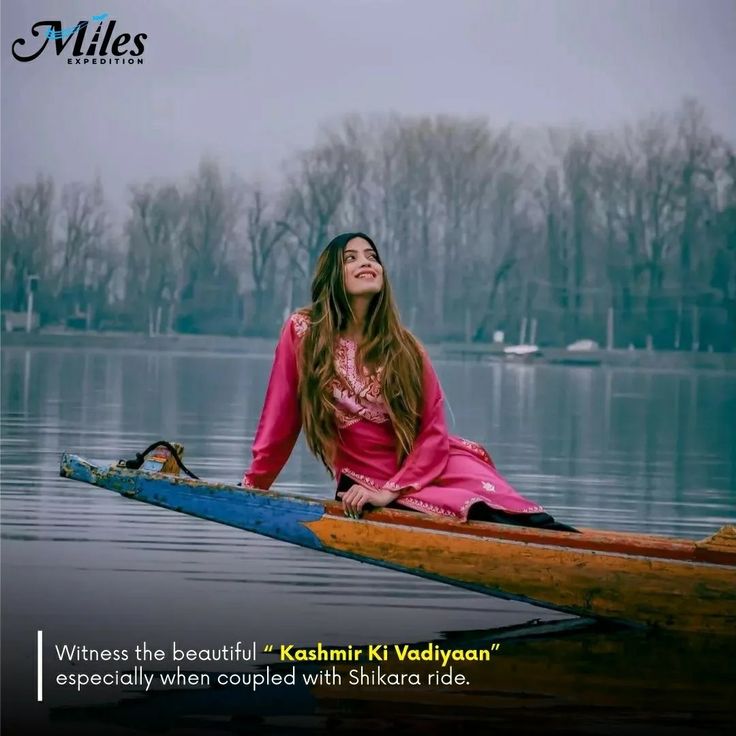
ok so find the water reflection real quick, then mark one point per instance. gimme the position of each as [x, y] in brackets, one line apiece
[608, 448]
[541, 680]
[598, 447]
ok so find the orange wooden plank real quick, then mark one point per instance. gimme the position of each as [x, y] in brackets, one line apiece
[649, 545]
[669, 593]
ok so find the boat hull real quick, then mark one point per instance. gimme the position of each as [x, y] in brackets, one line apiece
[632, 579]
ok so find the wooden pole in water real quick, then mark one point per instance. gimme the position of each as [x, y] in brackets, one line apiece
[696, 329]
[29, 314]
[31, 284]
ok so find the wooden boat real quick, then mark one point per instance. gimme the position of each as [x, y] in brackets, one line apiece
[635, 579]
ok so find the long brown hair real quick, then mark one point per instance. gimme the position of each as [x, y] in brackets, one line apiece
[386, 343]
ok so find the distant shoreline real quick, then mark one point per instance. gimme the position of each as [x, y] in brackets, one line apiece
[221, 344]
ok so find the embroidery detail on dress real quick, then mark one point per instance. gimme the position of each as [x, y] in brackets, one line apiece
[358, 397]
[477, 449]
[488, 486]
[301, 323]
[245, 483]
[363, 479]
[465, 508]
[424, 506]
[345, 420]
[476, 499]
[374, 485]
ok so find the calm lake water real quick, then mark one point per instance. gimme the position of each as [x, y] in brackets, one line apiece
[619, 449]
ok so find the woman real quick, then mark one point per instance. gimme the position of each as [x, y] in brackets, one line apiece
[365, 392]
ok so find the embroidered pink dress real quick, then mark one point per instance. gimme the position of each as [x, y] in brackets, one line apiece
[443, 474]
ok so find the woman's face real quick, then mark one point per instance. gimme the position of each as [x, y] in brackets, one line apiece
[362, 272]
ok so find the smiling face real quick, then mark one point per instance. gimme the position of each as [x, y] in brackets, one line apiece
[362, 270]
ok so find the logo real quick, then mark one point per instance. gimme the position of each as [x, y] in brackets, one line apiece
[104, 47]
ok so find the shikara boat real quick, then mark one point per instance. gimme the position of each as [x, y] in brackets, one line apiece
[634, 579]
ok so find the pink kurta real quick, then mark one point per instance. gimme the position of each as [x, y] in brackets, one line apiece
[443, 474]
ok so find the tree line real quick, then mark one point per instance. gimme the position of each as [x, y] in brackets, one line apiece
[481, 229]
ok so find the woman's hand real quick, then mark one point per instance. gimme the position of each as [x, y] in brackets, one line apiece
[354, 499]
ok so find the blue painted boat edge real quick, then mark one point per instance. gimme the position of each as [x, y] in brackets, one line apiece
[273, 515]
[281, 517]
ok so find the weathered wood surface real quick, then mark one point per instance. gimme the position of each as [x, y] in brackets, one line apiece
[634, 579]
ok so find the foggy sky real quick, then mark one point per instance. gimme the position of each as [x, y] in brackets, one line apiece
[248, 82]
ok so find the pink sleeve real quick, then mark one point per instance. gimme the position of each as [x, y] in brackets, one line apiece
[280, 422]
[428, 458]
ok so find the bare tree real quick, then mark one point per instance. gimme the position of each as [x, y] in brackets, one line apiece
[27, 238]
[479, 229]
[265, 233]
[208, 294]
[314, 193]
[154, 265]
[85, 231]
